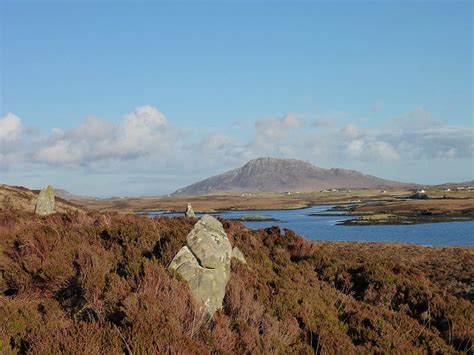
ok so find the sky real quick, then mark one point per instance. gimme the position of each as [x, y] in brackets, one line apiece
[111, 98]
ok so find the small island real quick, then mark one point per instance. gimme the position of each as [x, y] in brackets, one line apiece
[416, 218]
[256, 218]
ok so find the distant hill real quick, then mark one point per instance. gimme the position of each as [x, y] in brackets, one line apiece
[280, 175]
[457, 184]
[66, 195]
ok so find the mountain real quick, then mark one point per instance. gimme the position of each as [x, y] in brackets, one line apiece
[279, 175]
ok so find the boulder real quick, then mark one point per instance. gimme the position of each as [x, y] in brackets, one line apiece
[204, 262]
[208, 242]
[45, 203]
[189, 211]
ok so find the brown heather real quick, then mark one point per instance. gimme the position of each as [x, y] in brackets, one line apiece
[97, 283]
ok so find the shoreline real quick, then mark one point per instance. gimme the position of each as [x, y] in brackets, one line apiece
[359, 219]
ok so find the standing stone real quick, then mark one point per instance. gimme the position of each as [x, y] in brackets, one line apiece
[45, 204]
[204, 262]
[189, 211]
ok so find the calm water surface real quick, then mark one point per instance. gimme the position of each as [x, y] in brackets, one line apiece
[326, 228]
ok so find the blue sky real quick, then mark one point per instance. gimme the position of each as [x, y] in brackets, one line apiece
[179, 91]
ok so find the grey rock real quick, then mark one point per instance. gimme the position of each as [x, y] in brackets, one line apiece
[237, 254]
[209, 243]
[189, 211]
[45, 203]
[205, 263]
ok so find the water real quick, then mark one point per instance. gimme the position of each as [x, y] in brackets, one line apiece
[326, 228]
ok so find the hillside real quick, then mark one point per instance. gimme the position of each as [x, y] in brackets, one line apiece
[66, 195]
[22, 199]
[279, 175]
[456, 184]
[98, 283]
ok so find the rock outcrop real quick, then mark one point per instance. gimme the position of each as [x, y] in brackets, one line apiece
[45, 203]
[189, 211]
[204, 262]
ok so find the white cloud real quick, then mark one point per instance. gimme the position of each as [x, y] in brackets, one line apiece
[355, 148]
[276, 127]
[384, 151]
[11, 132]
[10, 128]
[141, 132]
[61, 152]
[216, 142]
[271, 130]
[350, 131]
[369, 150]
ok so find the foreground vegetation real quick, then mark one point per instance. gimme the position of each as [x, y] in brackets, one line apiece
[98, 283]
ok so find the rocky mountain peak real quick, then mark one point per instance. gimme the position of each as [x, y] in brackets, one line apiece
[269, 174]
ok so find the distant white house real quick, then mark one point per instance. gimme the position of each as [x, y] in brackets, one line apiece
[447, 190]
[421, 191]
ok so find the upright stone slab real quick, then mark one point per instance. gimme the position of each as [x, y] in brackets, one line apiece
[45, 203]
[204, 262]
[189, 211]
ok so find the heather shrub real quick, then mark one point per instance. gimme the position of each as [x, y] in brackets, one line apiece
[99, 283]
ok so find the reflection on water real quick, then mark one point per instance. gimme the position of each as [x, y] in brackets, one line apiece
[326, 228]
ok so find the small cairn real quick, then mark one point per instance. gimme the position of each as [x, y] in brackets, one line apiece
[189, 211]
[45, 203]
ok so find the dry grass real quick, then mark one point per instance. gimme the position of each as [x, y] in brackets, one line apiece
[236, 202]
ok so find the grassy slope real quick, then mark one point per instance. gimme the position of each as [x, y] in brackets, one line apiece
[23, 199]
[98, 283]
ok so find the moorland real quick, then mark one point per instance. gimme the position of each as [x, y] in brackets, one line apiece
[98, 282]
[88, 280]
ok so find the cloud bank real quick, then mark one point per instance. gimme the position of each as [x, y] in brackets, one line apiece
[141, 132]
[145, 140]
